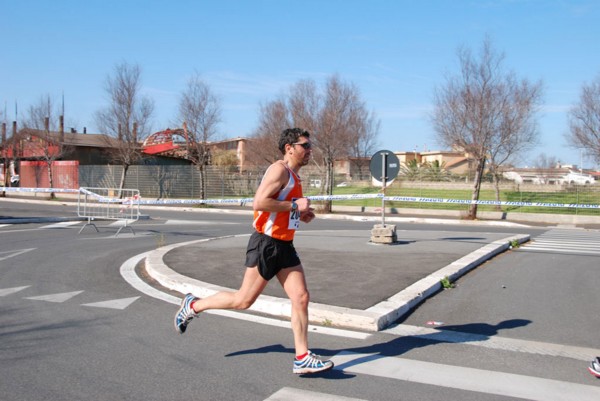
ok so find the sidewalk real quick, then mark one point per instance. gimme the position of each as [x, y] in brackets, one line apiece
[353, 283]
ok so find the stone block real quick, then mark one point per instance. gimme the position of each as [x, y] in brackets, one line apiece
[383, 234]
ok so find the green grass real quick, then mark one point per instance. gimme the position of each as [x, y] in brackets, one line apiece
[585, 196]
[446, 283]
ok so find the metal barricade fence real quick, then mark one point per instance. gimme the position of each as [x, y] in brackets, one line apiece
[109, 204]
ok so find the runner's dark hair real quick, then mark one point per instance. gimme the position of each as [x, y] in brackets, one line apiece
[290, 136]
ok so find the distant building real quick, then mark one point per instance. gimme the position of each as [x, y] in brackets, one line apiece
[353, 168]
[236, 145]
[454, 162]
[174, 143]
[33, 144]
[549, 176]
[31, 150]
[357, 168]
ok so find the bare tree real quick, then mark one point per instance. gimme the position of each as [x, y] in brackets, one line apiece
[199, 109]
[46, 146]
[40, 113]
[4, 147]
[545, 162]
[584, 120]
[486, 112]
[43, 134]
[306, 104]
[335, 115]
[127, 116]
[544, 166]
[367, 130]
[273, 119]
[518, 131]
[5, 160]
[337, 124]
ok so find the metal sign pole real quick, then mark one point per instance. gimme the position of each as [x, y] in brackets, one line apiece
[383, 180]
[388, 170]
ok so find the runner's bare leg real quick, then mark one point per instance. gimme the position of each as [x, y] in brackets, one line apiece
[252, 286]
[293, 282]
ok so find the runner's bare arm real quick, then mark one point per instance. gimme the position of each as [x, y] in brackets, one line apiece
[275, 179]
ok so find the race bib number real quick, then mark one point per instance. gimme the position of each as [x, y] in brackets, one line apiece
[294, 222]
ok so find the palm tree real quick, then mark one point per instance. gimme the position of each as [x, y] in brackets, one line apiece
[412, 170]
[436, 171]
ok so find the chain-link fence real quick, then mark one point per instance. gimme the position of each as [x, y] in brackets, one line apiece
[184, 182]
[172, 182]
[524, 198]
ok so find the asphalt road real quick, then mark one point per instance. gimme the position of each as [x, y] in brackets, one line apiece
[71, 327]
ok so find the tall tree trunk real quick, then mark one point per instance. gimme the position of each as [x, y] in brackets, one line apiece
[329, 185]
[202, 181]
[123, 175]
[497, 189]
[50, 179]
[4, 161]
[476, 188]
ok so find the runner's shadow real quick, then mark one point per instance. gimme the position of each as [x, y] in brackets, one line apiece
[485, 328]
[278, 348]
[459, 334]
[331, 374]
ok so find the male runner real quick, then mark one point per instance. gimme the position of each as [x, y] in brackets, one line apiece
[278, 208]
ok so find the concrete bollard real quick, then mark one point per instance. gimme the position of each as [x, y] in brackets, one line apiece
[383, 234]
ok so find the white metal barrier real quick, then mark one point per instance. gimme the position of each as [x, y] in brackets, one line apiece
[109, 204]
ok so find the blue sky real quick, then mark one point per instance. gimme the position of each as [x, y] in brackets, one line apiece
[396, 52]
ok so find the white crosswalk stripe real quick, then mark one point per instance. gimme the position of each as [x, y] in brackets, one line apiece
[494, 342]
[449, 376]
[398, 368]
[289, 394]
[483, 381]
[565, 241]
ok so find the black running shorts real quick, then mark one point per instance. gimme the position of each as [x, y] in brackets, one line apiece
[270, 255]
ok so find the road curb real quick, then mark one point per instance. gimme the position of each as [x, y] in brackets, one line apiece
[30, 220]
[375, 318]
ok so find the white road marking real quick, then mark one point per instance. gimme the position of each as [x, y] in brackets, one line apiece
[128, 273]
[11, 254]
[62, 224]
[494, 342]
[8, 291]
[565, 241]
[483, 381]
[113, 304]
[289, 393]
[535, 248]
[58, 298]
[203, 222]
[121, 223]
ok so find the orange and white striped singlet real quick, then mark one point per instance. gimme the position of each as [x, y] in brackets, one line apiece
[281, 225]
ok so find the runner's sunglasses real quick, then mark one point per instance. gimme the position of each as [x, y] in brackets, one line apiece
[305, 145]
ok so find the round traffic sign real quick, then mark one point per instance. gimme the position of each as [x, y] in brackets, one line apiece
[384, 163]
